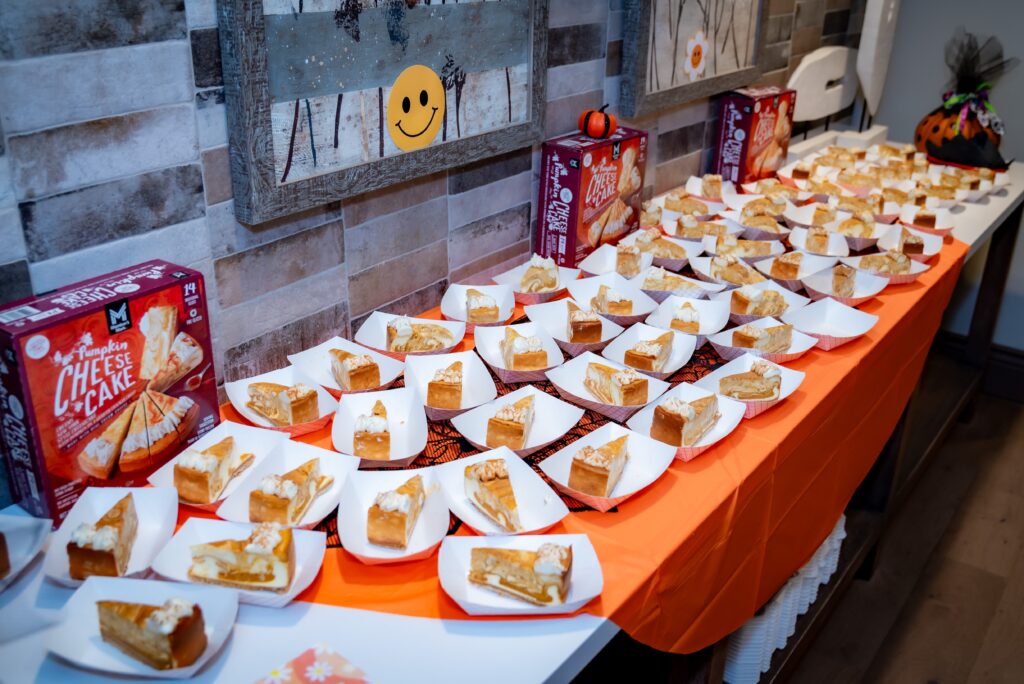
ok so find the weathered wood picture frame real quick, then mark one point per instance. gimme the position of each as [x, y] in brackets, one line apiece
[278, 55]
[639, 95]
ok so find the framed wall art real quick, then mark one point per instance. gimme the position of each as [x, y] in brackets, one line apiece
[675, 51]
[331, 98]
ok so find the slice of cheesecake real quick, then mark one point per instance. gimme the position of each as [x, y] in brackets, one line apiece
[683, 423]
[104, 548]
[540, 577]
[489, 488]
[284, 499]
[597, 471]
[394, 513]
[510, 425]
[265, 560]
[164, 637]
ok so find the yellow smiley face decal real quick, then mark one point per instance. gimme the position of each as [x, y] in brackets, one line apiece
[415, 108]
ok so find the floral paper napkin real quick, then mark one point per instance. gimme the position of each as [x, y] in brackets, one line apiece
[320, 665]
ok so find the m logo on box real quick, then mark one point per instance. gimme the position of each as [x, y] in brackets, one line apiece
[119, 317]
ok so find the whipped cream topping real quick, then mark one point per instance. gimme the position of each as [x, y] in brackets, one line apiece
[625, 377]
[552, 559]
[723, 260]
[751, 331]
[393, 502]
[513, 413]
[297, 391]
[627, 249]
[449, 375]
[791, 257]
[101, 451]
[648, 235]
[542, 262]
[688, 221]
[750, 292]
[264, 538]
[679, 407]
[275, 485]
[581, 315]
[88, 535]
[357, 361]
[371, 423]
[479, 300]
[647, 348]
[484, 471]
[765, 369]
[194, 460]
[613, 295]
[165, 619]
[686, 313]
[521, 345]
[402, 326]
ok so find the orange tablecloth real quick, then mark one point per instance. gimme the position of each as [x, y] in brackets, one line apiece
[690, 559]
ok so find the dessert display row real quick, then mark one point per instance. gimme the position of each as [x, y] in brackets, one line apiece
[628, 319]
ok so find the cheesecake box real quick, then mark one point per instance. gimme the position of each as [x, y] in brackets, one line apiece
[754, 127]
[590, 193]
[102, 382]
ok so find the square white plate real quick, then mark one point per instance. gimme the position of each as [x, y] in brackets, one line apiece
[830, 322]
[488, 346]
[406, 422]
[155, 507]
[730, 414]
[477, 384]
[238, 395]
[514, 277]
[553, 318]
[373, 333]
[175, 560]
[683, 346]
[585, 581]
[792, 299]
[453, 303]
[316, 364]
[248, 440]
[361, 491]
[836, 247]
[552, 418]
[648, 460]
[712, 316]
[291, 455]
[691, 248]
[540, 507]
[568, 380]
[932, 242]
[801, 344]
[603, 259]
[791, 379]
[916, 269]
[584, 290]
[866, 286]
[809, 263]
[77, 637]
[710, 244]
[25, 538]
[702, 267]
[944, 223]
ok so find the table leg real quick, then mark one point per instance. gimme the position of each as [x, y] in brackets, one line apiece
[990, 292]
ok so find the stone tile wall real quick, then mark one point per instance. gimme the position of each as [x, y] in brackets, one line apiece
[114, 149]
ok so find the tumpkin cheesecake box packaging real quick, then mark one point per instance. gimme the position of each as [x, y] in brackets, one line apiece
[754, 127]
[590, 193]
[103, 382]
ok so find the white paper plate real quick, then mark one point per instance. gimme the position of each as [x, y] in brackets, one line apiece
[568, 380]
[702, 267]
[944, 223]
[25, 538]
[477, 384]
[692, 288]
[373, 333]
[238, 395]
[809, 263]
[837, 245]
[553, 318]
[453, 303]
[932, 242]
[710, 244]
[792, 299]
[691, 248]
[683, 346]
[77, 638]
[712, 314]
[801, 344]
[916, 269]
[857, 244]
[694, 186]
[291, 455]
[552, 419]
[832, 323]
[316, 364]
[602, 260]
[584, 290]
[671, 228]
[488, 346]
[406, 422]
[362, 489]
[803, 216]
[735, 219]
[791, 379]
[585, 581]
[540, 507]
[648, 460]
[514, 277]
[155, 507]
[175, 560]
[248, 440]
[866, 286]
[730, 414]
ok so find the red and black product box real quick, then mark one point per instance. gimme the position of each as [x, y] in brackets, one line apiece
[754, 126]
[103, 382]
[590, 193]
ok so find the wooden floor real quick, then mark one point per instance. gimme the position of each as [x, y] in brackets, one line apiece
[946, 602]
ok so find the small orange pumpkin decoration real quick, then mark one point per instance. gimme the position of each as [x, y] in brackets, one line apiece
[939, 127]
[597, 123]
